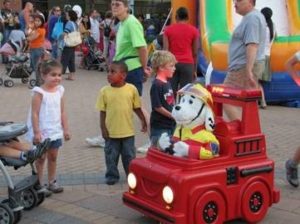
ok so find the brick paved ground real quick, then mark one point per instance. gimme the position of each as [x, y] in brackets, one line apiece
[87, 199]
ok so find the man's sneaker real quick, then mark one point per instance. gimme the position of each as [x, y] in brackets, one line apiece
[96, 141]
[55, 188]
[43, 189]
[292, 173]
[38, 151]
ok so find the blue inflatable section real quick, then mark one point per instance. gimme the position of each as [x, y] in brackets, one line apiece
[281, 90]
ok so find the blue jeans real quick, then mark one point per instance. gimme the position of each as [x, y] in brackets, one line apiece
[114, 147]
[35, 55]
[56, 144]
[6, 34]
[155, 134]
[54, 51]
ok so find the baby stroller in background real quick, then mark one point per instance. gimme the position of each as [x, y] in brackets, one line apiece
[18, 66]
[24, 194]
[91, 57]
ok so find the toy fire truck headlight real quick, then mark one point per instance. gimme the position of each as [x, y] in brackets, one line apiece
[132, 182]
[168, 195]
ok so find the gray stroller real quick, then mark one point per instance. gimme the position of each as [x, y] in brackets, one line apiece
[25, 194]
[18, 67]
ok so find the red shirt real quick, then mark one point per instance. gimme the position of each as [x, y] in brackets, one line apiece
[181, 37]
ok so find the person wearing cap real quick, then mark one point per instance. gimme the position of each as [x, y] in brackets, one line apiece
[246, 51]
[36, 39]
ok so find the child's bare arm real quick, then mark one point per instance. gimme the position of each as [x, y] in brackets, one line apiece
[35, 111]
[103, 127]
[64, 120]
[291, 62]
[32, 35]
[141, 116]
[164, 112]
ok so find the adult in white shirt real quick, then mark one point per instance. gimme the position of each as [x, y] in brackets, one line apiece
[270, 36]
[95, 26]
[107, 22]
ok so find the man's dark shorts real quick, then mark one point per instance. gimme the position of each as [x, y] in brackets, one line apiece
[136, 78]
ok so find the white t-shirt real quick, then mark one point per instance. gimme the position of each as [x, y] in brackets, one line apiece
[95, 29]
[49, 116]
[268, 42]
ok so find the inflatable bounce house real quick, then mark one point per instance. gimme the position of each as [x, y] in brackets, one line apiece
[217, 19]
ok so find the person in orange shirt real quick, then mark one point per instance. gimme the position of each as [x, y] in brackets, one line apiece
[36, 40]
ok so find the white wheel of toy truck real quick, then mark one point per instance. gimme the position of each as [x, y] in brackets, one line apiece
[25, 80]
[32, 83]
[1, 81]
[255, 202]
[29, 199]
[6, 214]
[9, 83]
[210, 208]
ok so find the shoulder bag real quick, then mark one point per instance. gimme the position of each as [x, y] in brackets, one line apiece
[73, 39]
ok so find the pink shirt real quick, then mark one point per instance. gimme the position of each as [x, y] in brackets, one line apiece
[181, 37]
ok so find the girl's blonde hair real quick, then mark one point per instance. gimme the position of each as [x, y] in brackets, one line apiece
[160, 58]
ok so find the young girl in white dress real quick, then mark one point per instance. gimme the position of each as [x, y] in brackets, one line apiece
[47, 119]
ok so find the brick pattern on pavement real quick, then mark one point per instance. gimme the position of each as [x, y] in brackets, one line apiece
[86, 198]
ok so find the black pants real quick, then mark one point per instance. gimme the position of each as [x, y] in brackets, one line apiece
[68, 59]
[182, 76]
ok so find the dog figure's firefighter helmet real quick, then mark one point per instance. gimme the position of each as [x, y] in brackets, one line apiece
[197, 90]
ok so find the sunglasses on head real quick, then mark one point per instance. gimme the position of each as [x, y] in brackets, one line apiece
[116, 4]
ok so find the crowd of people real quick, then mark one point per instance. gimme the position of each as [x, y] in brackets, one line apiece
[125, 50]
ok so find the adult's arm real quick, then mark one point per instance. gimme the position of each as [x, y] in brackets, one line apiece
[143, 55]
[251, 51]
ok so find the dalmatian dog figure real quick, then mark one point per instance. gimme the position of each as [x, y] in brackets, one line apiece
[193, 137]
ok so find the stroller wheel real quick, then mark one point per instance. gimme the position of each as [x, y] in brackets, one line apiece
[24, 80]
[6, 214]
[41, 198]
[1, 81]
[8, 83]
[32, 83]
[17, 216]
[29, 199]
